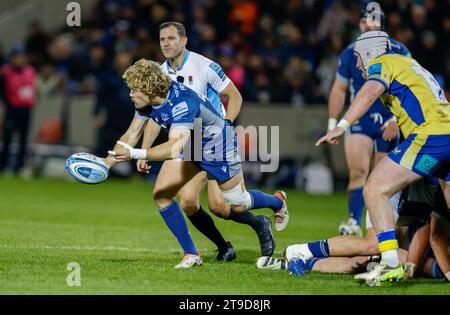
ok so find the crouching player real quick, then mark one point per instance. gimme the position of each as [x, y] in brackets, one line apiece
[179, 108]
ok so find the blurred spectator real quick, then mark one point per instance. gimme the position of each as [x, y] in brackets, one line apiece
[18, 92]
[328, 65]
[36, 45]
[48, 81]
[258, 38]
[114, 108]
[299, 90]
[333, 20]
[244, 13]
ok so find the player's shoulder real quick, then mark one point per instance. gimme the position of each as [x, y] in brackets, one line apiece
[348, 51]
[385, 58]
[203, 62]
[198, 59]
[399, 47]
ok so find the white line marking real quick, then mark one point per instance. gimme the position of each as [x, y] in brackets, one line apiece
[90, 248]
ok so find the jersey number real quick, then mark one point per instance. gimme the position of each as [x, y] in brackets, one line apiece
[431, 81]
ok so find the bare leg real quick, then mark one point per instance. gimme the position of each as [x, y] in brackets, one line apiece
[439, 242]
[348, 245]
[341, 264]
[189, 194]
[385, 180]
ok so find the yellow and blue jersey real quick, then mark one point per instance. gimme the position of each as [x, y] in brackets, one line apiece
[370, 124]
[412, 94]
[423, 114]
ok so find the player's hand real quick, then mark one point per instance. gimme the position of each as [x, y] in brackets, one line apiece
[143, 167]
[331, 136]
[122, 153]
[390, 131]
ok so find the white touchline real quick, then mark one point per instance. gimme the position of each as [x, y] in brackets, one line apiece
[90, 248]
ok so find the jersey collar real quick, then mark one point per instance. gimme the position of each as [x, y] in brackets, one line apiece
[185, 58]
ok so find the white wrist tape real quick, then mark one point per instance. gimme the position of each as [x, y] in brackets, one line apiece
[343, 124]
[332, 122]
[137, 154]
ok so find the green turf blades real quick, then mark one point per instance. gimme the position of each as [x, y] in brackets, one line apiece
[113, 230]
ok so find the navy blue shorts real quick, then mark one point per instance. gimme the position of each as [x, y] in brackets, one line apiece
[372, 129]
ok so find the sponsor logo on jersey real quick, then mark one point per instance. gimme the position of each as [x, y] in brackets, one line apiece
[165, 117]
[397, 151]
[426, 164]
[375, 69]
[217, 69]
[179, 109]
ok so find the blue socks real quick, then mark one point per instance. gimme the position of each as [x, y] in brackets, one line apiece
[174, 218]
[356, 204]
[435, 271]
[262, 200]
[319, 249]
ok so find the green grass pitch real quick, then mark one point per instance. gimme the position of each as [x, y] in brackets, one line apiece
[115, 233]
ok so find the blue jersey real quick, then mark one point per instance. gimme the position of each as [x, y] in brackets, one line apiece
[183, 107]
[348, 73]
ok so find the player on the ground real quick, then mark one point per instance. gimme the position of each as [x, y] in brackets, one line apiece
[182, 110]
[421, 203]
[369, 139]
[207, 77]
[423, 114]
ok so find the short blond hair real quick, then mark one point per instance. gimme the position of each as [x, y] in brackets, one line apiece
[148, 77]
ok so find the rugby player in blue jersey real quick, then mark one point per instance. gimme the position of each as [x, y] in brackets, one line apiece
[179, 109]
[206, 77]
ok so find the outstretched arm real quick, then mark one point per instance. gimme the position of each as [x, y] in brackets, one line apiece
[370, 91]
[131, 137]
[178, 137]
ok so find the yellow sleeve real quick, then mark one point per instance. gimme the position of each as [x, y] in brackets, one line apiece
[380, 70]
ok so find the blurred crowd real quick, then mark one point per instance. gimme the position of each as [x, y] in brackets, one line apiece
[283, 51]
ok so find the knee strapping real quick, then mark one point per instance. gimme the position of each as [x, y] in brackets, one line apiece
[237, 197]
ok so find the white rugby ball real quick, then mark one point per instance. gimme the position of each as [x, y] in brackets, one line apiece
[87, 168]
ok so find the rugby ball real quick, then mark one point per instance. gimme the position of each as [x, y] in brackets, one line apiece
[87, 168]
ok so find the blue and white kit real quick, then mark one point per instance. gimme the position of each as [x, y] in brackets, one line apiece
[201, 75]
[218, 152]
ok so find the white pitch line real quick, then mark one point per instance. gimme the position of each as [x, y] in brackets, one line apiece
[89, 248]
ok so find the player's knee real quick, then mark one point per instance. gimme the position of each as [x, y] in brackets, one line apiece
[162, 198]
[219, 208]
[371, 192]
[238, 199]
[358, 174]
[189, 204]
[367, 193]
